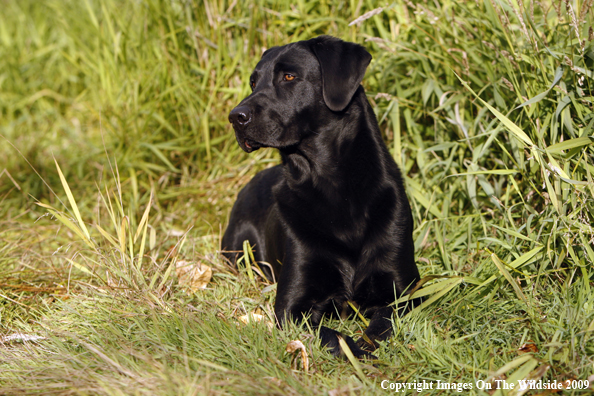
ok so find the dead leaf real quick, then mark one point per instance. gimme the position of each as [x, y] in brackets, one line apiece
[192, 276]
[528, 347]
[245, 319]
[292, 347]
[254, 317]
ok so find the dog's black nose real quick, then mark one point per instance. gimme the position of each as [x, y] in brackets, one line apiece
[240, 116]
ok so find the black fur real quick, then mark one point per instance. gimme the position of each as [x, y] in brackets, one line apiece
[335, 213]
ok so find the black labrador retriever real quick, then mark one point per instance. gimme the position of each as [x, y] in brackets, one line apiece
[332, 220]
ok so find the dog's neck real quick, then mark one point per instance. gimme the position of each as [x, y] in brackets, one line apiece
[311, 164]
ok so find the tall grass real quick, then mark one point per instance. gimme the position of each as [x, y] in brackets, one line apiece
[113, 119]
[498, 124]
[151, 81]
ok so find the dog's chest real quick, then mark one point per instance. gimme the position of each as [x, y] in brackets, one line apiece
[346, 221]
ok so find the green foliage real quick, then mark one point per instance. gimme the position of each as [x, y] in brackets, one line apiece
[149, 82]
[493, 116]
[487, 106]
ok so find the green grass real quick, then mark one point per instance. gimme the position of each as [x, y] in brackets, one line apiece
[117, 162]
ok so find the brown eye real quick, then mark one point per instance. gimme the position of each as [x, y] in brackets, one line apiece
[288, 77]
[252, 85]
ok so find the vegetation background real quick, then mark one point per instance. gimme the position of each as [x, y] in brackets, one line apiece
[117, 164]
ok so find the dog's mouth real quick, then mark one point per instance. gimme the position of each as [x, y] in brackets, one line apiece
[249, 145]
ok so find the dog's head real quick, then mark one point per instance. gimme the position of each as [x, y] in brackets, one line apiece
[295, 88]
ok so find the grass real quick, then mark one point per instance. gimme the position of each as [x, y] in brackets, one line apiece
[117, 164]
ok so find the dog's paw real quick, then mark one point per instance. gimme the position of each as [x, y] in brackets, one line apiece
[367, 344]
[358, 352]
[330, 340]
[361, 353]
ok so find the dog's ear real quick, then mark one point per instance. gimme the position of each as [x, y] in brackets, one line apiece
[343, 66]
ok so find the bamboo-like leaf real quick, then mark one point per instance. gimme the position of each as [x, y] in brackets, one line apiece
[550, 190]
[587, 243]
[359, 314]
[122, 235]
[80, 266]
[507, 231]
[428, 290]
[130, 242]
[525, 367]
[564, 102]
[92, 14]
[574, 182]
[248, 259]
[523, 371]
[420, 197]
[66, 221]
[144, 226]
[517, 362]
[541, 96]
[516, 130]
[144, 220]
[488, 172]
[161, 156]
[107, 204]
[570, 144]
[395, 121]
[72, 201]
[441, 147]
[445, 288]
[556, 167]
[109, 238]
[349, 354]
[152, 238]
[552, 193]
[508, 277]
[535, 99]
[525, 258]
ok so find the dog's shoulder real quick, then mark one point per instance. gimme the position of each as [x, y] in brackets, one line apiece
[259, 188]
[268, 177]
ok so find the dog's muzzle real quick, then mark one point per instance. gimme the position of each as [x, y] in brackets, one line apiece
[241, 117]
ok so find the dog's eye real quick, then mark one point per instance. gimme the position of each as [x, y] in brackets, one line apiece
[252, 85]
[288, 77]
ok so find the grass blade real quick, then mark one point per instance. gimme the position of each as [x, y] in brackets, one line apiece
[508, 277]
[349, 354]
[72, 201]
[516, 130]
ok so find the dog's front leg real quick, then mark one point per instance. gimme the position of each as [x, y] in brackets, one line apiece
[379, 329]
[328, 337]
[297, 299]
[380, 325]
